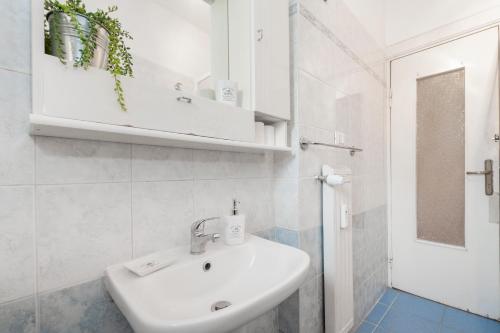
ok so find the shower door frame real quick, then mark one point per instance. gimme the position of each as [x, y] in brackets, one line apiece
[414, 50]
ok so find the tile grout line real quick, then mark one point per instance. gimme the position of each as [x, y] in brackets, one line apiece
[142, 181]
[373, 307]
[18, 71]
[386, 312]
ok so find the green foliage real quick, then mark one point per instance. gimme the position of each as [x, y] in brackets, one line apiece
[119, 57]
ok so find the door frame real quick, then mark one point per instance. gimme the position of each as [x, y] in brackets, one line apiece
[388, 70]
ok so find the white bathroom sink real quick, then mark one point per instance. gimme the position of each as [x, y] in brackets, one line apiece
[253, 277]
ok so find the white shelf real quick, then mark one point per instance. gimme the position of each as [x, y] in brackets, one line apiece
[77, 129]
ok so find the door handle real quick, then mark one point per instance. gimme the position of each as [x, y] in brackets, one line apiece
[479, 172]
[488, 176]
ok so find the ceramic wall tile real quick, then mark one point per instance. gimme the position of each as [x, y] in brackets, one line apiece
[286, 203]
[81, 230]
[369, 259]
[269, 234]
[310, 213]
[256, 202]
[214, 164]
[17, 167]
[81, 309]
[219, 165]
[266, 323]
[254, 165]
[67, 161]
[214, 198]
[317, 102]
[162, 213]
[313, 158]
[15, 41]
[311, 241]
[151, 163]
[315, 52]
[311, 306]
[17, 257]
[289, 314]
[341, 54]
[18, 316]
[287, 237]
[343, 115]
[287, 165]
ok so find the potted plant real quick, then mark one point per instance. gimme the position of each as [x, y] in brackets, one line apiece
[86, 38]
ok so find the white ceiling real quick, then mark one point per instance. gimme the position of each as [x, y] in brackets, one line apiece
[409, 18]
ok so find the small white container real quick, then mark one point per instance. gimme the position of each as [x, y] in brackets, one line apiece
[259, 133]
[281, 134]
[234, 231]
[269, 135]
[226, 92]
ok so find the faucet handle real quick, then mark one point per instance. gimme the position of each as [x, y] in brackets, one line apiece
[215, 237]
[199, 225]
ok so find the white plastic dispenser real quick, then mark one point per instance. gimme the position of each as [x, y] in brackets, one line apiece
[234, 231]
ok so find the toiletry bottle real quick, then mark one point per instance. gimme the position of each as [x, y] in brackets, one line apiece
[234, 233]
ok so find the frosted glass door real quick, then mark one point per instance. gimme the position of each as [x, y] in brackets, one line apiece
[444, 114]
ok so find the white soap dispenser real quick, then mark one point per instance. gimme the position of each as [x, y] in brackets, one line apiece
[234, 233]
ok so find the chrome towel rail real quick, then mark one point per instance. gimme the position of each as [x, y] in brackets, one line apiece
[304, 144]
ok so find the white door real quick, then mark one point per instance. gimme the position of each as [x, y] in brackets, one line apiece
[445, 232]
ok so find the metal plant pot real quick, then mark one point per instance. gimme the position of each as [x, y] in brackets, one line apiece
[69, 41]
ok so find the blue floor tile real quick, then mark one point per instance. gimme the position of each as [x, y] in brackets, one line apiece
[449, 330]
[375, 316]
[400, 312]
[389, 296]
[493, 326]
[420, 307]
[469, 323]
[398, 321]
[381, 329]
[366, 328]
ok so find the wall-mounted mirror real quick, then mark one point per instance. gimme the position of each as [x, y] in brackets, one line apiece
[182, 44]
[187, 39]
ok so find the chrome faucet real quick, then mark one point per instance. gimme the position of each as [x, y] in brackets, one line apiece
[198, 237]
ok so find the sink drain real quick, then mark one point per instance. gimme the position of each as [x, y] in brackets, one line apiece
[220, 305]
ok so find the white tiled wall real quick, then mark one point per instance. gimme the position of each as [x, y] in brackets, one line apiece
[70, 208]
[97, 203]
[63, 161]
[17, 167]
[15, 42]
[339, 85]
[80, 230]
[16, 242]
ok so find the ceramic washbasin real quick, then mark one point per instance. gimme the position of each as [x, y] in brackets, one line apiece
[253, 277]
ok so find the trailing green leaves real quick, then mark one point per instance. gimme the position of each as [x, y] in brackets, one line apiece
[120, 62]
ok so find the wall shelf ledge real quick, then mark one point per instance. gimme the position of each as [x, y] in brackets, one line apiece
[41, 125]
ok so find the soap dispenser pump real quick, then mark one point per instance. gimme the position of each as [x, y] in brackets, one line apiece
[234, 233]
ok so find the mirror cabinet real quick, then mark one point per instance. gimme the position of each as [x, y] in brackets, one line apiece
[208, 69]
